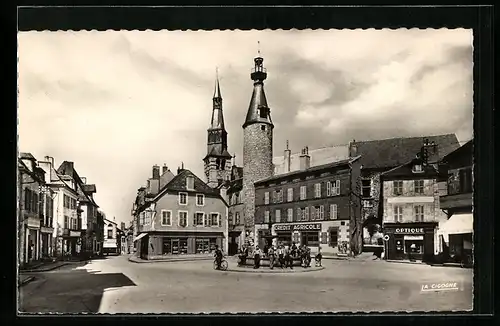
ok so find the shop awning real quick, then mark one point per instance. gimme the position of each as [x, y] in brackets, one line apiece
[458, 224]
[140, 236]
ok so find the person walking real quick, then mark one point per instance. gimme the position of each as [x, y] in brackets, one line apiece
[318, 258]
[272, 256]
[281, 255]
[288, 258]
[256, 257]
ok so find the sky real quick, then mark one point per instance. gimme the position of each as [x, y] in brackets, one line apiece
[117, 102]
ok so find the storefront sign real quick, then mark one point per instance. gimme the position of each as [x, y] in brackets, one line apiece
[409, 230]
[298, 227]
[413, 237]
[74, 233]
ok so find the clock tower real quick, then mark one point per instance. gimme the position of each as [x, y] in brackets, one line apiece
[218, 160]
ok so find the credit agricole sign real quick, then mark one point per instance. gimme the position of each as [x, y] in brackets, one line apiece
[298, 227]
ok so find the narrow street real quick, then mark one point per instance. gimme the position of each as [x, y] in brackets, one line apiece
[116, 285]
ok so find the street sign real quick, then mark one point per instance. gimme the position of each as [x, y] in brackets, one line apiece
[386, 237]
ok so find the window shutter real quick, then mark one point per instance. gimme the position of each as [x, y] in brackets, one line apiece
[324, 238]
[321, 212]
[328, 188]
[313, 213]
[219, 220]
[306, 217]
[338, 186]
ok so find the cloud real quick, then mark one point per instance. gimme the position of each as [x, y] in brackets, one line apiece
[116, 103]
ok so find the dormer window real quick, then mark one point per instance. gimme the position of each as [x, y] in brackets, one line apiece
[189, 183]
[417, 168]
[263, 112]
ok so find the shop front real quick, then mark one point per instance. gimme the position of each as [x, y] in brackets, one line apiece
[300, 233]
[456, 233]
[410, 241]
[157, 245]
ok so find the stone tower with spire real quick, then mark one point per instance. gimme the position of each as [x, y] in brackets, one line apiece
[218, 160]
[257, 142]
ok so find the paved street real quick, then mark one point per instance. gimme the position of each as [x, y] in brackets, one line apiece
[115, 285]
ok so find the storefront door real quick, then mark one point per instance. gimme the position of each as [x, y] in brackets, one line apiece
[400, 249]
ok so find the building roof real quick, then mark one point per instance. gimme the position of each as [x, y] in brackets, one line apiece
[406, 170]
[26, 156]
[387, 153]
[465, 149]
[178, 183]
[318, 156]
[311, 169]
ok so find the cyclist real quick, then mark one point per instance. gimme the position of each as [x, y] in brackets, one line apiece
[218, 256]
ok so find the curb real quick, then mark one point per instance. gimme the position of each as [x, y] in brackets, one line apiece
[274, 271]
[26, 281]
[152, 261]
[43, 269]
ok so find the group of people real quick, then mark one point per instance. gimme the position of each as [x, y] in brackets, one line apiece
[282, 255]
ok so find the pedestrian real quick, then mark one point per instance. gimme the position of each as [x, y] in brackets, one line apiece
[288, 258]
[271, 255]
[318, 257]
[218, 256]
[281, 256]
[308, 256]
[256, 257]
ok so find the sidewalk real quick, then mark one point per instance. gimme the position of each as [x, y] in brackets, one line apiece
[276, 270]
[44, 267]
[136, 259]
[24, 279]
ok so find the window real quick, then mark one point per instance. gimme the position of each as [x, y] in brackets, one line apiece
[290, 194]
[66, 222]
[263, 113]
[266, 217]
[204, 246]
[200, 200]
[336, 188]
[183, 198]
[333, 211]
[199, 217]
[303, 194]
[317, 190]
[266, 198]
[230, 219]
[334, 236]
[214, 219]
[310, 238]
[110, 234]
[306, 214]
[290, 215]
[189, 183]
[321, 213]
[263, 128]
[419, 213]
[237, 222]
[328, 189]
[74, 224]
[299, 214]
[417, 168]
[278, 215]
[419, 186]
[279, 196]
[182, 218]
[398, 213]
[366, 188]
[397, 187]
[166, 217]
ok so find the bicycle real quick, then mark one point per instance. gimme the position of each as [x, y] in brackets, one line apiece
[466, 261]
[223, 264]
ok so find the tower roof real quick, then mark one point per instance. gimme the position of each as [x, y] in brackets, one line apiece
[258, 110]
[217, 121]
[217, 93]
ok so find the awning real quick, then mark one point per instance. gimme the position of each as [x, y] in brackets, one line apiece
[458, 224]
[140, 236]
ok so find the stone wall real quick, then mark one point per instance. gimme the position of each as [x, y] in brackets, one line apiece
[257, 164]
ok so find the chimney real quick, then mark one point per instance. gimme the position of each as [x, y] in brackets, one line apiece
[180, 169]
[305, 159]
[49, 159]
[353, 148]
[84, 180]
[164, 169]
[288, 158]
[156, 172]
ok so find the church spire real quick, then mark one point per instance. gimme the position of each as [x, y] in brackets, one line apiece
[217, 86]
[258, 110]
